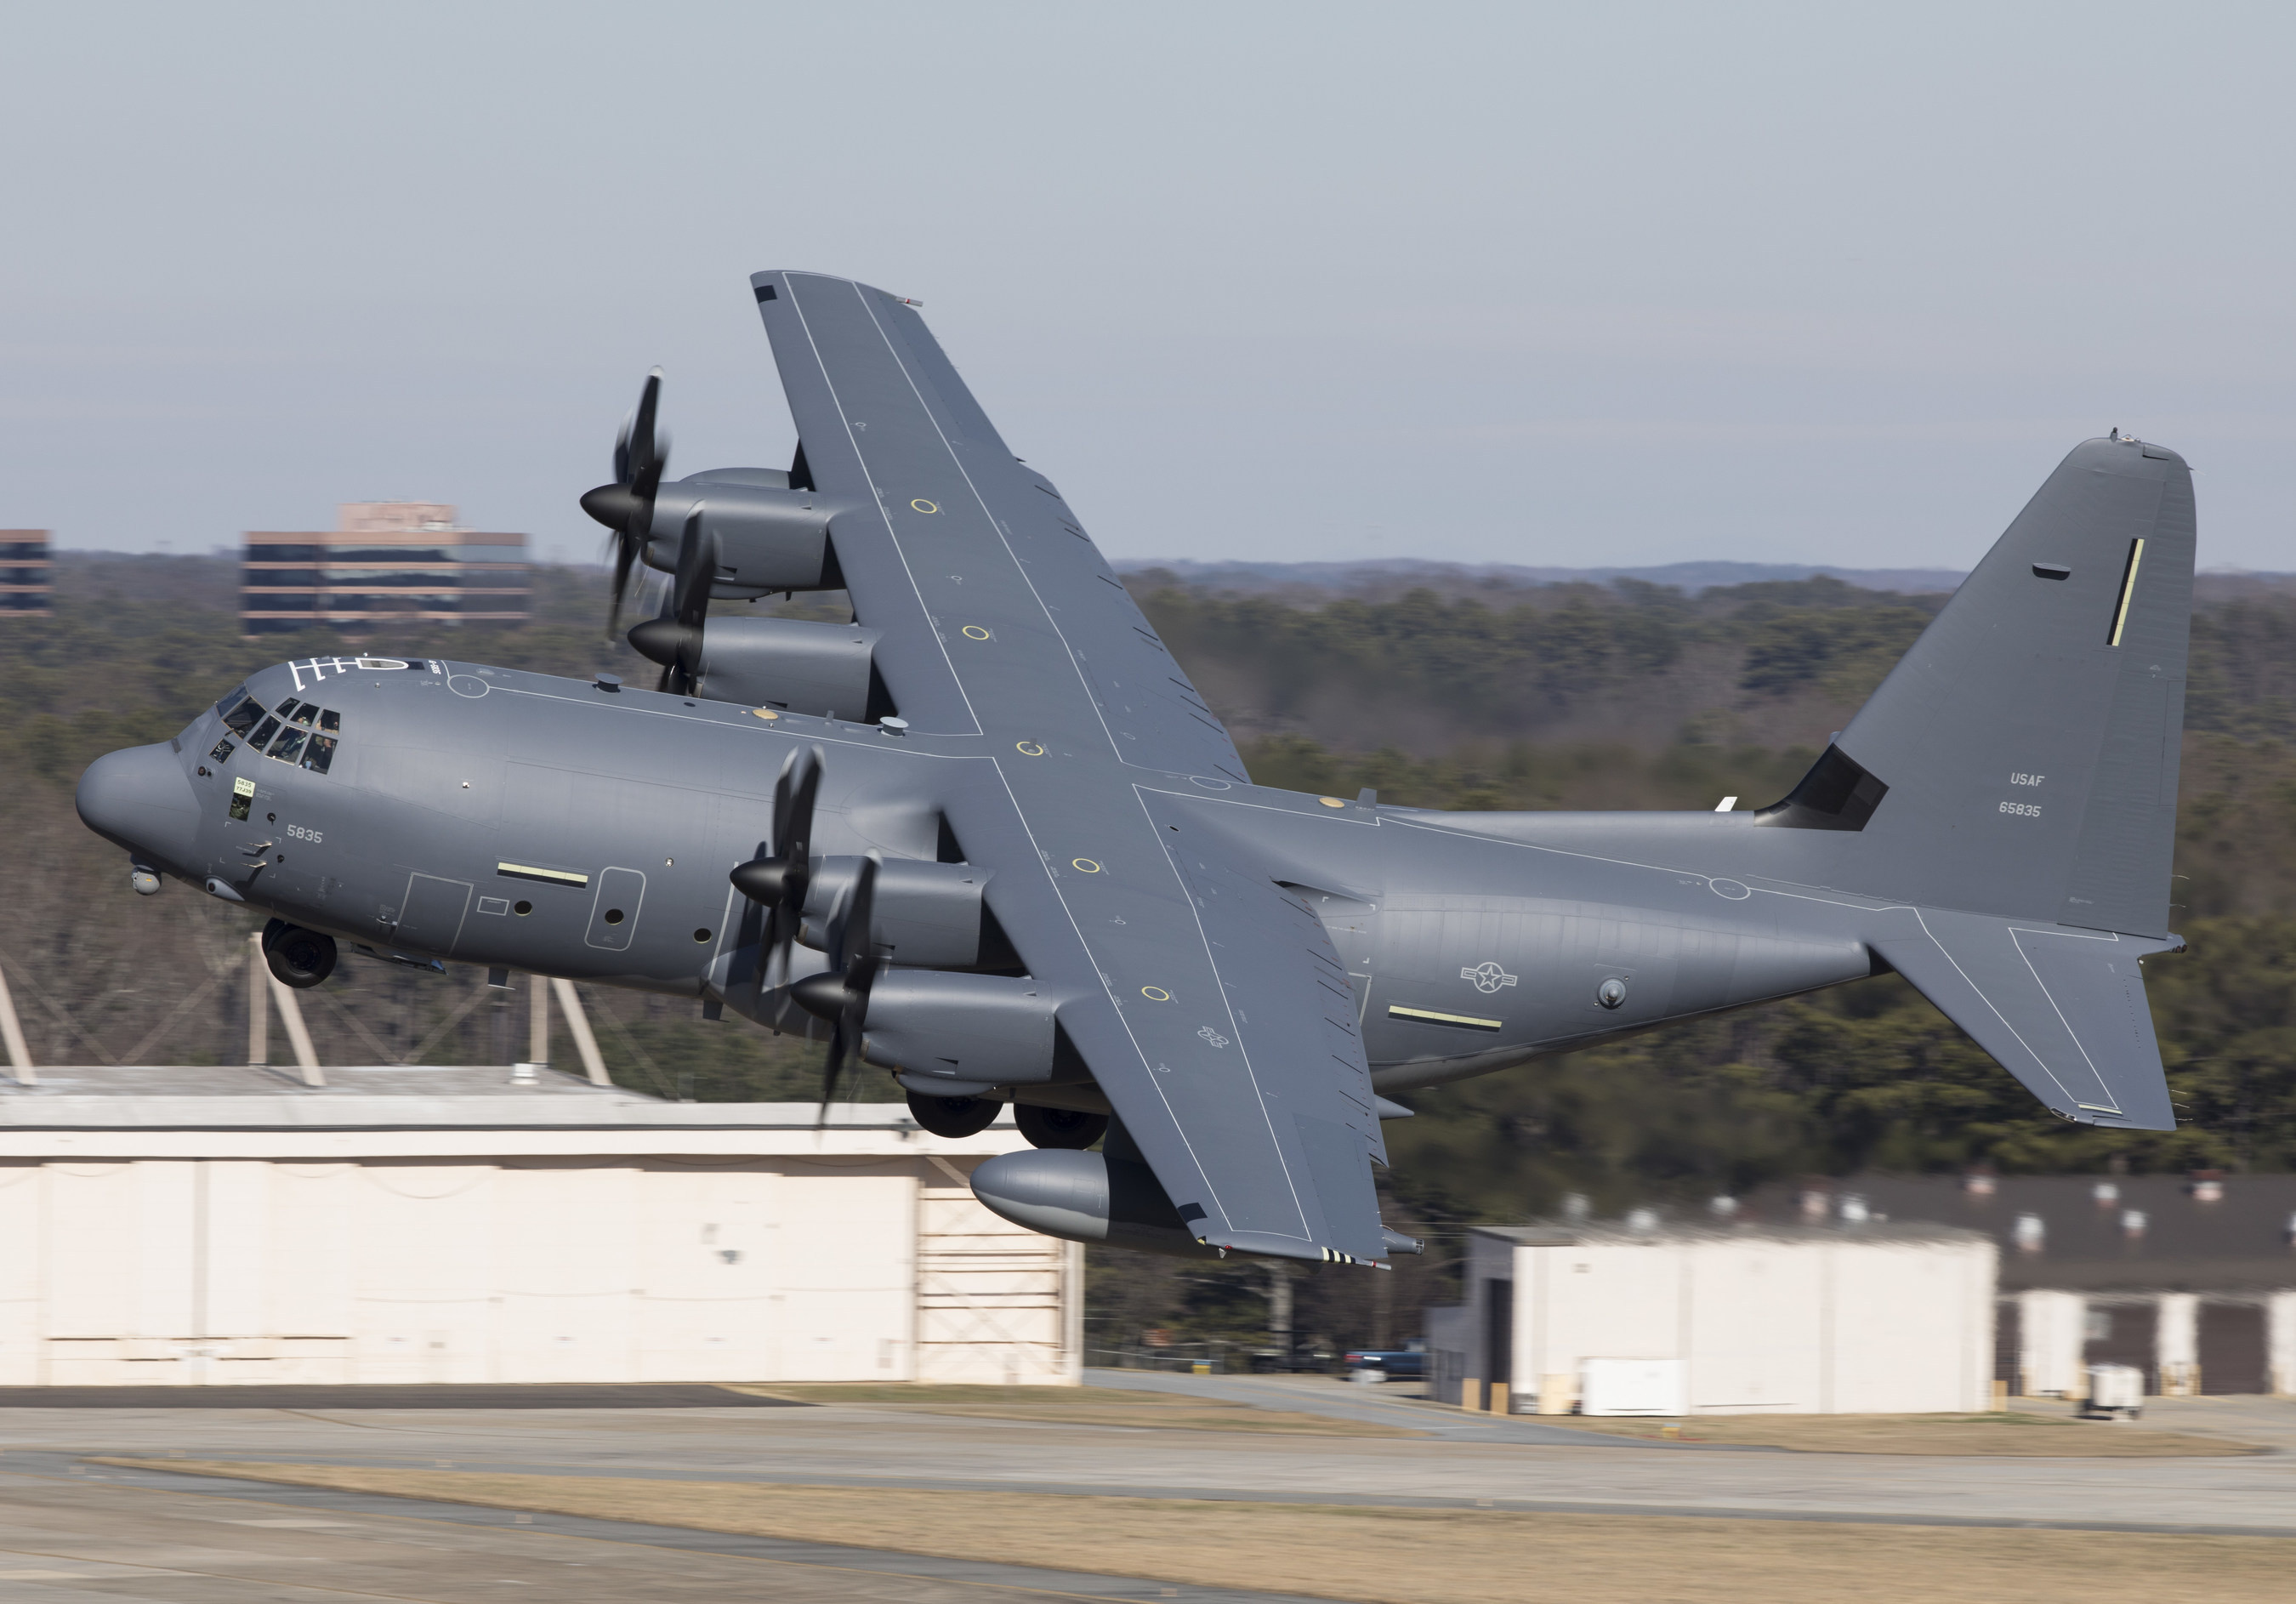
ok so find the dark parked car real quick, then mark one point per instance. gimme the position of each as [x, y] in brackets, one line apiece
[1405, 1363]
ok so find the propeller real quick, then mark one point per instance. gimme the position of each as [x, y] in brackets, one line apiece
[779, 882]
[674, 640]
[626, 506]
[841, 995]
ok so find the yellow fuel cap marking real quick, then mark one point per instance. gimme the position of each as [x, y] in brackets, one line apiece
[1028, 749]
[767, 713]
[925, 507]
[1155, 994]
[1330, 801]
[975, 632]
[1086, 864]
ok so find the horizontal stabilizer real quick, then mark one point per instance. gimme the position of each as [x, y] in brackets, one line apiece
[2062, 1009]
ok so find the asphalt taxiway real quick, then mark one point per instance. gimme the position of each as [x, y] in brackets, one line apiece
[70, 1529]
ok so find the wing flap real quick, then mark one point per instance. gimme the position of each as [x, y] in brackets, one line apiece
[1302, 1058]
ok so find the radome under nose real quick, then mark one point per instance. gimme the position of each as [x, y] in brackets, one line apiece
[140, 798]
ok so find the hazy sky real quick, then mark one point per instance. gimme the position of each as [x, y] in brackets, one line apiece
[1554, 285]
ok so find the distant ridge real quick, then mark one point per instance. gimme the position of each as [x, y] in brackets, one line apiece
[1692, 577]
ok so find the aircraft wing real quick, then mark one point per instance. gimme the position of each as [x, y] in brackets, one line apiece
[1205, 1001]
[886, 427]
[1214, 1013]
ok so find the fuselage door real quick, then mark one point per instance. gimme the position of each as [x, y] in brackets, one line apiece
[432, 916]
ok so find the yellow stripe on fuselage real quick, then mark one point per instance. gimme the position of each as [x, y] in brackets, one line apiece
[1396, 1010]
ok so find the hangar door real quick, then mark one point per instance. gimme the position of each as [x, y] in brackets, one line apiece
[847, 1273]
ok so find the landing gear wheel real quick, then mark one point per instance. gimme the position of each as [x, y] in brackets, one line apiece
[953, 1116]
[299, 958]
[1058, 1127]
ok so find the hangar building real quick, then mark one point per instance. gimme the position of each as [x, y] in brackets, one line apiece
[1743, 1320]
[236, 1225]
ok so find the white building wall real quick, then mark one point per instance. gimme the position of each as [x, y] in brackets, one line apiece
[24, 1310]
[1772, 1325]
[2051, 1329]
[1743, 1358]
[525, 1268]
[2279, 1337]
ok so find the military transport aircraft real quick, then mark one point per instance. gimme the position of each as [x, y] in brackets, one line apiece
[988, 837]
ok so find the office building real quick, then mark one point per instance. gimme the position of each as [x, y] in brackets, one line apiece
[387, 564]
[24, 570]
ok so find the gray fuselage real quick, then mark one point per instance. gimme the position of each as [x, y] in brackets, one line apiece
[499, 817]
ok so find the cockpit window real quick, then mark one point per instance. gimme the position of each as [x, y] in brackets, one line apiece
[263, 733]
[320, 753]
[330, 720]
[305, 712]
[289, 746]
[286, 709]
[240, 712]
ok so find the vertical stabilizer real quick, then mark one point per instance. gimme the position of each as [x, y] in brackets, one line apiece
[2021, 759]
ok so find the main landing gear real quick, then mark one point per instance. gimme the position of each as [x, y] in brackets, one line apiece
[299, 958]
[1058, 1127]
[953, 1116]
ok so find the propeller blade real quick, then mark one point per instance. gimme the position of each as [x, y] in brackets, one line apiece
[640, 453]
[697, 566]
[625, 554]
[780, 882]
[850, 939]
[674, 639]
[626, 506]
[794, 830]
[832, 1067]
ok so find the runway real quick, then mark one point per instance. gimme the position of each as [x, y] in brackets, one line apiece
[71, 1530]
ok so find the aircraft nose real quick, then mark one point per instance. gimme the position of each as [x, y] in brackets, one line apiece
[140, 798]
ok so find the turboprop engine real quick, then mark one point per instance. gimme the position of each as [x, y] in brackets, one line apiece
[734, 534]
[926, 915]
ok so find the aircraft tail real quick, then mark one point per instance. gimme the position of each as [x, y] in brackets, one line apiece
[2012, 785]
[2021, 759]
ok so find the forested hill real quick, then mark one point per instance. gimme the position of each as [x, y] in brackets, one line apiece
[1618, 695]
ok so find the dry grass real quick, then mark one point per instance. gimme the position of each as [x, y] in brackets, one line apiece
[2012, 1435]
[1080, 1406]
[1392, 1556]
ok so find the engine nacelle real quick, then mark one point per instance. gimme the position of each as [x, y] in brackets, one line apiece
[1086, 1198]
[795, 665]
[769, 537]
[956, 1035]
[923, 915]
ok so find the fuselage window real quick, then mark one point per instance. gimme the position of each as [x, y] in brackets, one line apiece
[290, 745]
[330, 720]
[240, 712]
[263, 733]
[319, 753]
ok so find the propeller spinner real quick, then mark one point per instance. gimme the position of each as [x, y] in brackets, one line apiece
[626, 506]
